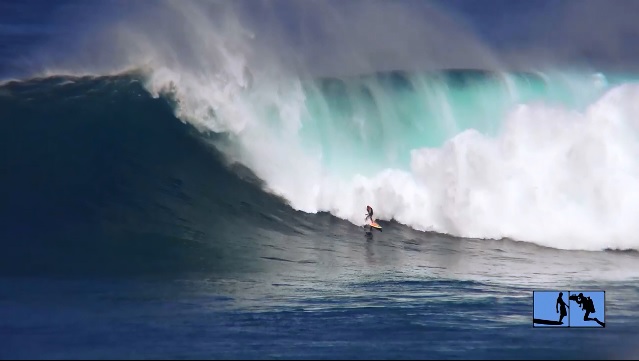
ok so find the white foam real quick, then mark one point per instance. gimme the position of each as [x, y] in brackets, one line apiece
[552, 176]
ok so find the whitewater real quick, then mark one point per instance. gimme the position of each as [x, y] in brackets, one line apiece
[486, 162]
[547, 157]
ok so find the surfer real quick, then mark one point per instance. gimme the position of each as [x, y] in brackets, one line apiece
[372, 224]
[369, 214]
[560, 302]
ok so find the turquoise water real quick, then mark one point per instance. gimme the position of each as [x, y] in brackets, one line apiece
[367, 124]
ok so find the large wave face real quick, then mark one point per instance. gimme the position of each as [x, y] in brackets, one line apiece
[100, 177]
[544, 157]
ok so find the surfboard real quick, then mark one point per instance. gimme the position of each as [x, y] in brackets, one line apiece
[376, 226]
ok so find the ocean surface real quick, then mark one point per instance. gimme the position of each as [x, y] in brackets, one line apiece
[176, 210]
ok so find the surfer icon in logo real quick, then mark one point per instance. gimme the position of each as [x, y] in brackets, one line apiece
[562, 303]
